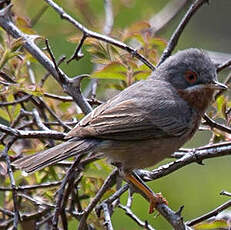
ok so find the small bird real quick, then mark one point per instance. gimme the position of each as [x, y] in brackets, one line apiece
[144, 123]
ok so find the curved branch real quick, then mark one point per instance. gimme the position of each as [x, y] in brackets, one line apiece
[29, 44]
[180, 28]
[101, 37]
[188, 157]
[31, 133]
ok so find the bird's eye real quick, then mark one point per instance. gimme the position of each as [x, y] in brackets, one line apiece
[190, 76]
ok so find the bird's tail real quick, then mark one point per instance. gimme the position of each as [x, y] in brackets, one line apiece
[53, 155]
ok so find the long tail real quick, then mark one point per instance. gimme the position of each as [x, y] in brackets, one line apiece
[53, 155]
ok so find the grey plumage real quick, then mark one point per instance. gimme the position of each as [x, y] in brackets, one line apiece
[144, 123]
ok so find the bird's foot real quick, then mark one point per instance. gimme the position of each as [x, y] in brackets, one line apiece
[155, 200]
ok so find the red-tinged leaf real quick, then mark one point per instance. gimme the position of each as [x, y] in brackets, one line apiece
[24, 25]
[75, 38]
[139, 27]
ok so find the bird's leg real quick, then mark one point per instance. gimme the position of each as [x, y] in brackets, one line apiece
[154, 198]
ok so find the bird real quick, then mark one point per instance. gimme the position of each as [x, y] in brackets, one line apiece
[143, 124]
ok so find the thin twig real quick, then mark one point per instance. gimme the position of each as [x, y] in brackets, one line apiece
[98, 36]
[59, 201]
[210, 122]
[180, 28]
[12, 182]
[106, 185]
[129, 212]
[223, 65]
[78, 53]
[22, 99]
[24, 188]
[188, 156]
[32, 134]
[210, 214]
[225, 193]
[107, 217]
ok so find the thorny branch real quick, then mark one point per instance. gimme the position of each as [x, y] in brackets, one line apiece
[68, 84]
[100, 37]
[72, 87]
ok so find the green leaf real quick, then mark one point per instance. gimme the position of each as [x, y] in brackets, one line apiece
[4, 114]
[114, 70]
[16, 44]
[142, 72]
[217, 224]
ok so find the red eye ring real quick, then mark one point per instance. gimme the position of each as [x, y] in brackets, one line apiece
[190, 76]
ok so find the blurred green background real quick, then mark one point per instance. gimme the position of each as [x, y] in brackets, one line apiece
[196, 187]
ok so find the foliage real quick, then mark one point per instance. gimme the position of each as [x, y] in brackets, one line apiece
[25, 87]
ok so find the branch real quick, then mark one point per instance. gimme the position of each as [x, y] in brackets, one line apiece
[210, 122]
[188, 157]
[109, 19]
[6, 157]
[107, 217]
[180, 28]
[101, 37]
[224, 65]
[22, 99]
[59, 201]
[29, 44]
[107, 184]
[129, 212]
[210, 214]
[32, 187]
[32, 134]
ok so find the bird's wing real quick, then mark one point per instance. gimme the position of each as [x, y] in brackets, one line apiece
[136, 114]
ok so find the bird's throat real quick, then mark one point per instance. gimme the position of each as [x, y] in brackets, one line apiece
[197, 98]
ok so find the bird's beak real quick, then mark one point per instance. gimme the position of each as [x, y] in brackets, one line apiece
[217, 85]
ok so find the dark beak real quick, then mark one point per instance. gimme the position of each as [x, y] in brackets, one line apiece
[217, 85]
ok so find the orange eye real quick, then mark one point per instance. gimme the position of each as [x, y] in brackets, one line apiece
[190, 76]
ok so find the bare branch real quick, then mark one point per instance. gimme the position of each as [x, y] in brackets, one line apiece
[225, 193]
[188, 156]
[210, 214]
[106, 185]
[107, 217]
[78, 52]
[89, 33]
[32, 187]
[214, 124]
[31, 133]
[6, 157]
[180, 28]
[59, 201]
[129, 212]
[224, 65]
[22, 99]
[109, 19]
[32, 48]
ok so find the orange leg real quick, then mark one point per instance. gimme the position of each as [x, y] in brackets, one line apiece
[154, 199]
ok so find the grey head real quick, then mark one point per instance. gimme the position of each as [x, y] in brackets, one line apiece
[189, 69]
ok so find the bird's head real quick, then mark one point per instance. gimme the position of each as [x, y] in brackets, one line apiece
[193, 75]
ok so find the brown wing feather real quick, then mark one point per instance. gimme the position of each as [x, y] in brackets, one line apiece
[126, 118]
